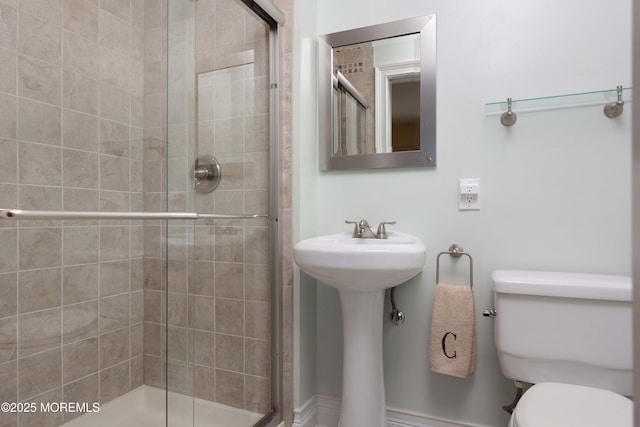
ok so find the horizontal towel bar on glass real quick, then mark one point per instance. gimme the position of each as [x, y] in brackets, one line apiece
[89, 215]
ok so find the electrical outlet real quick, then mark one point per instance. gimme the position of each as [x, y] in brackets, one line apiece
[469, 194]
[468, 199]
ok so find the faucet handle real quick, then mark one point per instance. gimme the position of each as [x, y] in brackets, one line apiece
[382, 230]
[356, 229]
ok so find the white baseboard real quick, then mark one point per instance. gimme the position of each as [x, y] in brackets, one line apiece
[328, 411]
[324, 411]
[307, 415]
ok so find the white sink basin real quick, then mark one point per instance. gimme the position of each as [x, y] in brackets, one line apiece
[353, 264]
[362, 269]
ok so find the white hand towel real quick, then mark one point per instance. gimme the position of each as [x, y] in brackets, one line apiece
[453, 331]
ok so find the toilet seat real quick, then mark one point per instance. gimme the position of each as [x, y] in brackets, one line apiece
[567, 405]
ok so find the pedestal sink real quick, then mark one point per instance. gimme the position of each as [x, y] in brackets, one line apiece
[361, 269]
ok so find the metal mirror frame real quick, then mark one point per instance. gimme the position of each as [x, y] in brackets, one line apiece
[426, 155]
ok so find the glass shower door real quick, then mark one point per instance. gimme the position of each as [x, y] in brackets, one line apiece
[178, 236]
[219, 273]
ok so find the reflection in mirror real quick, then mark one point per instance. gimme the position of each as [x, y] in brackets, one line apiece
[397, 91]
[376, 93]
[405, 115]
[350, 118]
[377, 96]
[353, 94]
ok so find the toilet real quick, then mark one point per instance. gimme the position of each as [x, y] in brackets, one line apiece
[569, 335]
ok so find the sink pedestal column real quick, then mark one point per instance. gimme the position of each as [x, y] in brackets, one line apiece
[363, 400]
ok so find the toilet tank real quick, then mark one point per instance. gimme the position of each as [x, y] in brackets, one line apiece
[564, 327]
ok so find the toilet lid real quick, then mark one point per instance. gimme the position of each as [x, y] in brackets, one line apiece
[566, 405]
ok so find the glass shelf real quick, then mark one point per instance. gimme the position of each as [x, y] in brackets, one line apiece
[572, 100]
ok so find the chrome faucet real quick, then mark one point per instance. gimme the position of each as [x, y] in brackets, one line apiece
[362, 229]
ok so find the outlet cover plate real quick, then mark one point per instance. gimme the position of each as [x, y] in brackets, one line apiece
[469, 194]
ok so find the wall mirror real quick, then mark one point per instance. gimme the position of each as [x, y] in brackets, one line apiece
[377, 95]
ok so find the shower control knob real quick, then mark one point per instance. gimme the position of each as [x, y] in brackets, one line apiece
[206, 174]
[202, 173]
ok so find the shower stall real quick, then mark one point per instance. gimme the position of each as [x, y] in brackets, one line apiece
[139, 201]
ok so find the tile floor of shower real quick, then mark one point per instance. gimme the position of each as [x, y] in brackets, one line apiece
[145, 406]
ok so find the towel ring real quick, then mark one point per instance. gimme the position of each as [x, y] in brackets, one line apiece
[455, 251]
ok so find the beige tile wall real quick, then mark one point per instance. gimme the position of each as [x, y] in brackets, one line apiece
[71, 131]
[285, 212]
[81, 128]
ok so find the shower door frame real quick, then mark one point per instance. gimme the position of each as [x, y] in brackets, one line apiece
[263, 10]
[274, 210]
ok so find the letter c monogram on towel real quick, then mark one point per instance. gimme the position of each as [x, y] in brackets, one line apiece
[444, 345]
